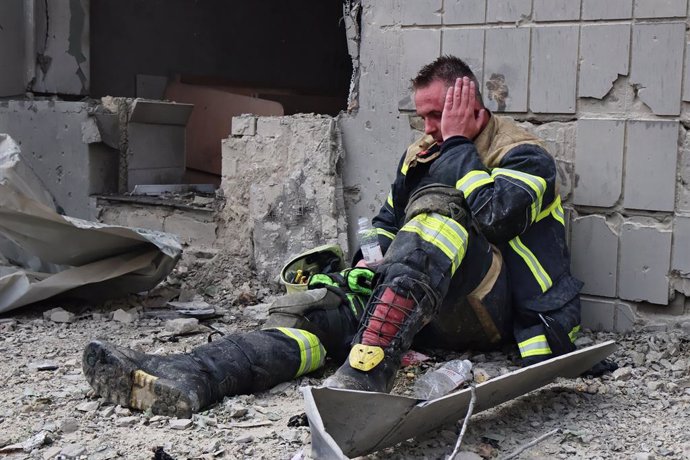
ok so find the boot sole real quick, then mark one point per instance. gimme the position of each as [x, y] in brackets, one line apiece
[117, 378]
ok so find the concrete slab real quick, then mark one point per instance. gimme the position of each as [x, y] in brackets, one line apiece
[597, 314]
[289, 197]
[505, 74]
[468, 45]
[556, 10]
[681, 245]
[464, 12]
[661, 8]
[51, 138]
[645, 259]
[155, 146]
[507, 10]
[599, 162]
[594, 254]
[604, 55]
[553, 75]
[658, 46]
[609, 9]
[422, 12]
[650, 165]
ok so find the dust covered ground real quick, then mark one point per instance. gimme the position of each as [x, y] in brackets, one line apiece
[641, 411]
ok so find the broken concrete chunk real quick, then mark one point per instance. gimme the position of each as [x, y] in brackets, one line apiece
[182, 326]
[180, 424]
[624, 373]
[69, 425]
[126, 317]
[72, 451]
[127, 421]
[88, 406]
[44, 365]
[59, 315]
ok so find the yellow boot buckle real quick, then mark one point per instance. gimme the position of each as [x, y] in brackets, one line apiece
[365, 357]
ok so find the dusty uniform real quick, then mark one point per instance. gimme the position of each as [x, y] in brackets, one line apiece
[509, 182]
[442, 282]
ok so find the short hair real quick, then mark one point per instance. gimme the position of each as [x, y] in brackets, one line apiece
[446, 68]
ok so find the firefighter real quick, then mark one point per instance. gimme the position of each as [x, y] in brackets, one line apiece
[475, 256]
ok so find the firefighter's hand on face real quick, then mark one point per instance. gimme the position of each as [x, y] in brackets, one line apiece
[462, 114]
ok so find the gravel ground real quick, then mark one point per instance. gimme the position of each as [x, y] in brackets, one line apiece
[641, 411]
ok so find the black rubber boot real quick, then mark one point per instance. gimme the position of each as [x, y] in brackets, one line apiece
[181, 384]
[174, 385]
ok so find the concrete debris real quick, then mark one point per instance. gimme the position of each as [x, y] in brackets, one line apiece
[44, 366]
[126, 317]
[71, 451]
[69, 425]
[127, 421]
[650, 405]
[182, 326]
[90, 406]
[624, 373]
[180, 424]
[59, 315]
[28, 445]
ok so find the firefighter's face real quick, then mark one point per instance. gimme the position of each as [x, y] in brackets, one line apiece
[429, 101]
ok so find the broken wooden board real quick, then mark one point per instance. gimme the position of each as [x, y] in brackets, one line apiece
[348, 423]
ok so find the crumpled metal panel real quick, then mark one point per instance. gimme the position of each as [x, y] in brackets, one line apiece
[346, 423]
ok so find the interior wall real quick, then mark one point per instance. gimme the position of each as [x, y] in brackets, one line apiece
[298, 46]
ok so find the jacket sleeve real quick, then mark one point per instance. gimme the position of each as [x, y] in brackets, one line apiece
[505, 200]
[385, 222]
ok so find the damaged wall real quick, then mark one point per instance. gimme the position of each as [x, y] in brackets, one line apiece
[61, 143]
[607, 84]
[62, 47]
[282, 190]
[44, 47]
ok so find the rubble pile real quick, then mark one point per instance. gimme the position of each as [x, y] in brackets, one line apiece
[47, 409]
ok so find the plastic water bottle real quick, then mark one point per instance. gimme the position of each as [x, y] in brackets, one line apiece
[369, 242]
[441, 381]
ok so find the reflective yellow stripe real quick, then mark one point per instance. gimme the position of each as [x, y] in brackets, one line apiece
[404, 168]
[532, 262]
[389, 200]
[558, 213]
[536, 183]
[312, 353]
[539, 346]
[444, 233]
[473, 180]
[386, 233]
[555, 210]
[554, 204]
[536, 346]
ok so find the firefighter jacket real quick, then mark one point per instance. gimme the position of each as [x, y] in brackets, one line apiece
[509, 182]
